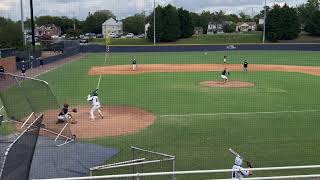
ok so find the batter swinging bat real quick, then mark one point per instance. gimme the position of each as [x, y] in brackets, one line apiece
[236, 154]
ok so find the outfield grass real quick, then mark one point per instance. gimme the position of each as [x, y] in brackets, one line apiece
[201, 142]
[254, 37]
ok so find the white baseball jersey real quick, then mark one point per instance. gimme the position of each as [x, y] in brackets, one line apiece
[238, 174]
[95, 101]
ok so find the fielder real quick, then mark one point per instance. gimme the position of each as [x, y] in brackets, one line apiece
[224, 75]
[245, 66]
[95, 104]
[224, 59]
[239, 173]
[134, 64]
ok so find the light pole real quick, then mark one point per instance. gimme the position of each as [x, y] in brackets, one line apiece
[22, 24]
[154, 22]
[264, 23]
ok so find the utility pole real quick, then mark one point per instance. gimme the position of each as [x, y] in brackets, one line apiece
[32, 26]
[154, 22]
[22, 24]
[74, 21]
[264, 23]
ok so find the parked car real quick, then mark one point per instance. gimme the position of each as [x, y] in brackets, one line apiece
[141, 36]
[114, 35]
[84, 41]
[130, 35]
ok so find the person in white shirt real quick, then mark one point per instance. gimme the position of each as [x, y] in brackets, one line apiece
[95, 104]
[238, 172]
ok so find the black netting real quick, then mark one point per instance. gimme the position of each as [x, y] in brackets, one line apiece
[23, 96]
[19, 155]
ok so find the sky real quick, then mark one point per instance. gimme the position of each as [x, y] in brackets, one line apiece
[124, 8]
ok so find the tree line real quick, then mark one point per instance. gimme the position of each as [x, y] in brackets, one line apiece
[173, 23]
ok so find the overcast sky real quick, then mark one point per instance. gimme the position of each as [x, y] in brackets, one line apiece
[124, 8]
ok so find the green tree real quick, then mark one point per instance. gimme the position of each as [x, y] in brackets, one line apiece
[93, 22]
[205, 18]
[313, 26]
[134, 24]
[10, 35]
[167, 24]
[282, 23]
[244, 17]
[229, 28]
[158, 24]
[171, 24]
[306, 13]
[186, 24]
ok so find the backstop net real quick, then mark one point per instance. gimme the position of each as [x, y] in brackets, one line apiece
[142, 161]
[19, 154]
[25, 98]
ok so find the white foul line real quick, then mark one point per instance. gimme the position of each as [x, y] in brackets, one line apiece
[239, 113]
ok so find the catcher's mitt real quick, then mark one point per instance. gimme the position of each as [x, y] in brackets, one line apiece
[249, 164]
[74, 110]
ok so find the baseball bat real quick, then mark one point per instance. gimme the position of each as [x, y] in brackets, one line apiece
[233, 152]
[236, 154]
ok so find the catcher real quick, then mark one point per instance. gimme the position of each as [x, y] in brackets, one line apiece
[65, 116]
[239, 173]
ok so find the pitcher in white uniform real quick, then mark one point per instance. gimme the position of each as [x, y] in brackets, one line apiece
[95, 104]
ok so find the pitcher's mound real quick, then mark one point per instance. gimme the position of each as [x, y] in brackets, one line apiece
[228, 84]
[118, 120]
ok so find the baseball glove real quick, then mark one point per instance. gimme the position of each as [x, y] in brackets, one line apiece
[249, 164]
[74, 110]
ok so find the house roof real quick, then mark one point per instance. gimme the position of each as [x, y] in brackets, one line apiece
[198, 28]
[112, 22]
[246, 23]
[223, 22]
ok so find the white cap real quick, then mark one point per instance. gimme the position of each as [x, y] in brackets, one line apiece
[238, 161]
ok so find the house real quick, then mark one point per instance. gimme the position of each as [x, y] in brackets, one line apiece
[246, 26]
[198, 30]
[217, 27]
[261, 21]
[49, 30]
[112, 26]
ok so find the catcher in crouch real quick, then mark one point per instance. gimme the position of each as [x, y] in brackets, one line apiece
[65, 116]
[237, 172]
[95, 104]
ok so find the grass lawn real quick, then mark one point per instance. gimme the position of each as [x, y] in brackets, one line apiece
[254, 37]
[201, 142]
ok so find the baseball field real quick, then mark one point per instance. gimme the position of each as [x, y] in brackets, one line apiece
[273, 123]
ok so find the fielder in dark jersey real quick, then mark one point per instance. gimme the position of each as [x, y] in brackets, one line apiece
[245, 66]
